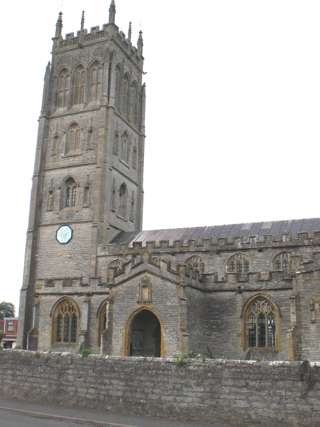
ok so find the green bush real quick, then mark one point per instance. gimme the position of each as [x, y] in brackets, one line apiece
[85, 352]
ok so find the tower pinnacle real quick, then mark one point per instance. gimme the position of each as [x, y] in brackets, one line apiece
[112, 12]
[140, 43]
[82, 21]
[59, 25]
[130, 31]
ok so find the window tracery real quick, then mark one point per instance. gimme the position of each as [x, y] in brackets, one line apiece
[78, 86]
[95, 78]
[133, 111]
[282, 262]
[63, 89]
[261, 324]
[196, 263]
[65, 323]
[238, 263]
[125, 95]
[70, 193]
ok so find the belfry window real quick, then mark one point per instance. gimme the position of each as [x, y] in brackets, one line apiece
[70, 193]
[125, 96]
[65, 323]
[63, 89]
[133, 114]
[118, 87]
[95, 82]
[78, 86]
[238, 263]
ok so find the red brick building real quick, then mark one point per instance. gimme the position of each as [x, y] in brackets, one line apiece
[9, 329]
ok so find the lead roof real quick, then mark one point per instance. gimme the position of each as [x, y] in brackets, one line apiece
[255, 229]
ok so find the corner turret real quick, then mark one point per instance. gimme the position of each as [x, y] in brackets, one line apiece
[59, 26]
[112, 13]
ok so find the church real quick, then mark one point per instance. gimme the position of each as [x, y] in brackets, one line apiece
[94, 280]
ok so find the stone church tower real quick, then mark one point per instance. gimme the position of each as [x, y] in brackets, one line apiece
[88, 174]
[93, 279]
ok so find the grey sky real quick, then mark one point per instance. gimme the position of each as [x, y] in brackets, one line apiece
[233, 110]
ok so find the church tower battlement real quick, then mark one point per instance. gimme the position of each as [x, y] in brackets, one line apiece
[88, 175]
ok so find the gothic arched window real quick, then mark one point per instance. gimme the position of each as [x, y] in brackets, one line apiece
[102, 320]
[133, 114]
[125, 95]
[73, 139]
[115, 147]
[78, 89]
[118, 87]
[196, 263]
[70, 193]
[238, 263]
[261, 324]
[123, 200]
[125, 148]
[65, 322]
[63, 89]
[95, 79]
[282, 262]
[134, 157]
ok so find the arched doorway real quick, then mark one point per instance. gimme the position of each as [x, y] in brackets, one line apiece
[145, 335]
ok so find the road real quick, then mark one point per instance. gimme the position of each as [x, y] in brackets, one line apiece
[22, 414]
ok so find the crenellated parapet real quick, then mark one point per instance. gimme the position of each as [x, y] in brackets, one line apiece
[214, 244]
[108, 32]
[180, 274]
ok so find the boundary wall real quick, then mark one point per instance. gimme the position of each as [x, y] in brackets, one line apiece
[241, 393]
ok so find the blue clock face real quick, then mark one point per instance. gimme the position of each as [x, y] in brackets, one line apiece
[64, 234]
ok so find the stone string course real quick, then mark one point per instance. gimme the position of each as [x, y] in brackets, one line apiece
[240, 393]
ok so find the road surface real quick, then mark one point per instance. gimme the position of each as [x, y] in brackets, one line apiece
[22, 414]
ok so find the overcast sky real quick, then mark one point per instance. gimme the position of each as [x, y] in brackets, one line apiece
[233, 108]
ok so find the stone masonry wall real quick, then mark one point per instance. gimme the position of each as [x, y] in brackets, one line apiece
[240, 393]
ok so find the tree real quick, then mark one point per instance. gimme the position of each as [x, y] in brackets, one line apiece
[6, 310]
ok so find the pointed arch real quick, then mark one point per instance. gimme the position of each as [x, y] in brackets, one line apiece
[282, 262]
[134, 102]
[123, 200]
[196, 263]
[73, 139]
[125, 85]
[118, 87]
[134, 156]
[128, 329]
[115, 146]
[69, 193]
[125, 148]
[63, 91]
[65, 316]
[238, 263]
[260, 324]
[78, 88]
[95, 81]
[102, 319]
